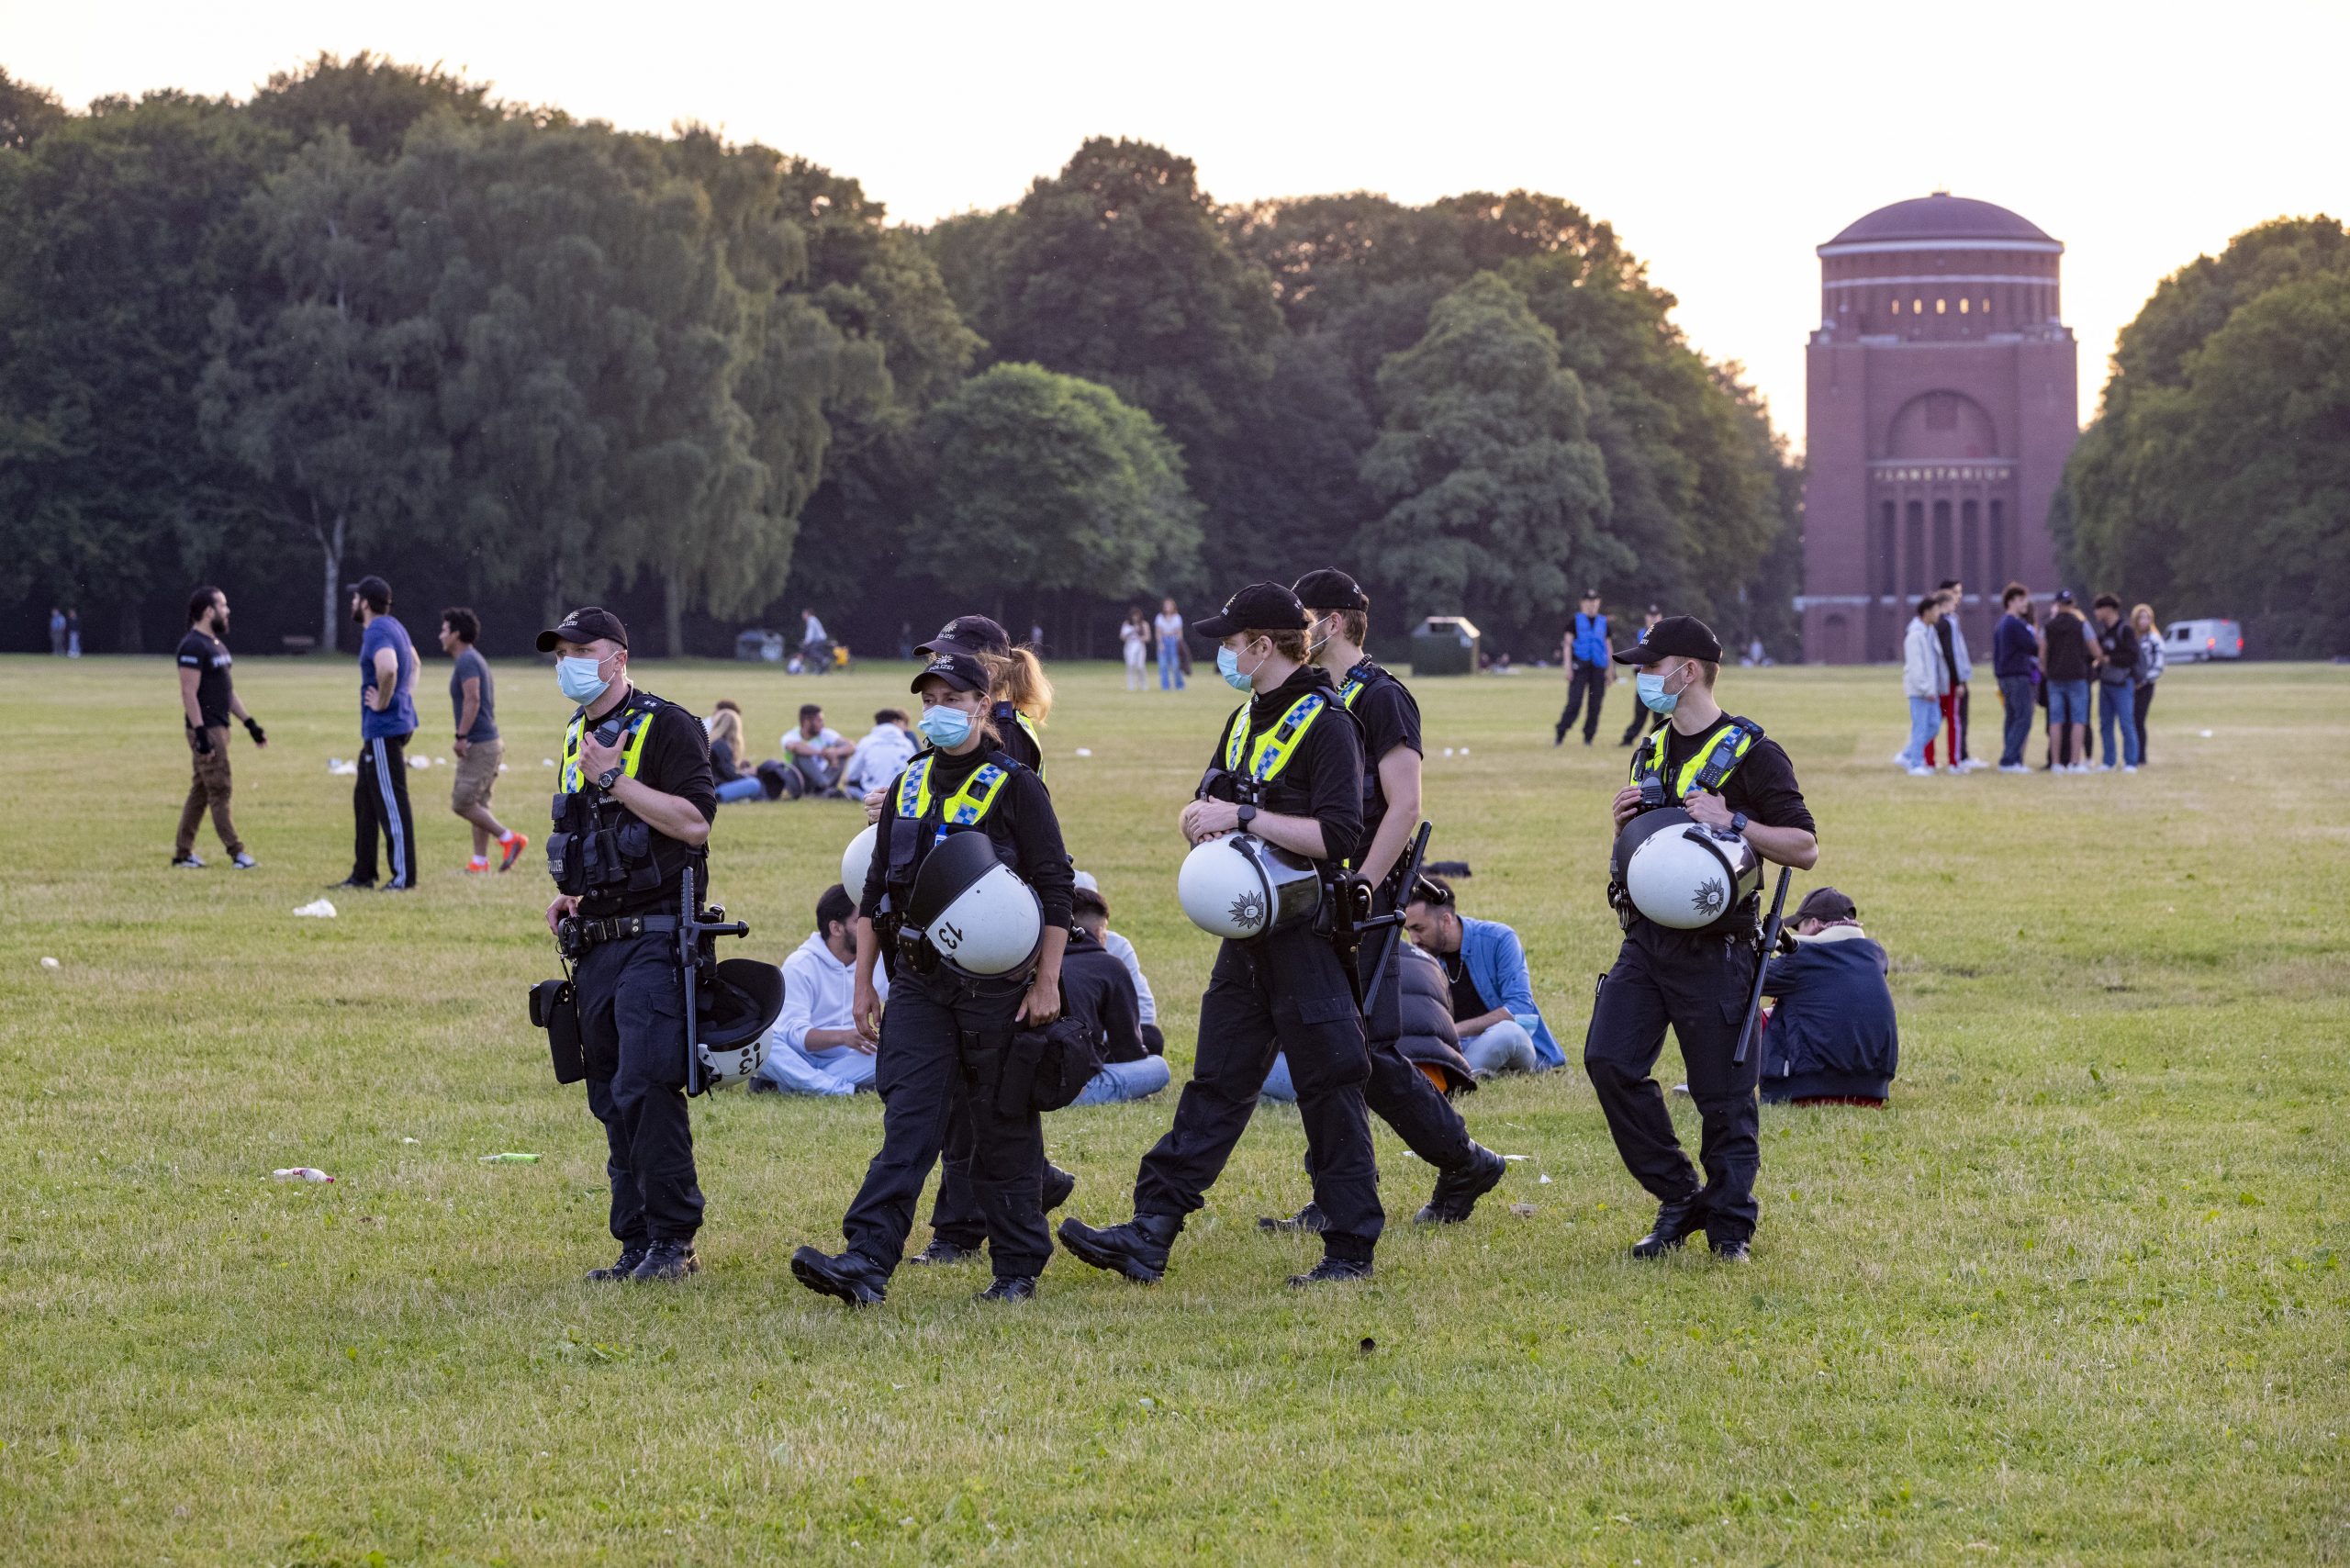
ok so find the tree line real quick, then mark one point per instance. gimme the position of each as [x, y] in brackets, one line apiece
[373, 319]
[2216, 478]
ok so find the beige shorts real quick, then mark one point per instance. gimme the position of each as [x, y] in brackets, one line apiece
[476, 775]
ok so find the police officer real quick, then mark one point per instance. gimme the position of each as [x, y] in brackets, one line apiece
[1725, 773]
[1397, 1092]
[630, 829]
[944, 1036]
[1287, 768]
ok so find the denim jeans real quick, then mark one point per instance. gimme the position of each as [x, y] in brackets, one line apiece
[1171, 666]
[1120, 1081]
[2116, 707]
[1505, 1046]
[746, 787]
[2068, 703]
[2015, 692]
[1925, 717]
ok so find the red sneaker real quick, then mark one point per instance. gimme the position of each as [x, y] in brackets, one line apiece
[514, 848]
[477, 868]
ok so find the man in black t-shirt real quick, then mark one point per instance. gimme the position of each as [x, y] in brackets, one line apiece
[630, 827]
[1727, 773]
[1397, 1093]
[208, 701]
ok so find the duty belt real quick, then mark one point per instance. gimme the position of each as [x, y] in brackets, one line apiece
[587, 933]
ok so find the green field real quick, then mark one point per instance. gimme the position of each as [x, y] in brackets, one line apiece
[2077, 1297]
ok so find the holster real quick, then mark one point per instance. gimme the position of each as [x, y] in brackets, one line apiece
[554, 1007]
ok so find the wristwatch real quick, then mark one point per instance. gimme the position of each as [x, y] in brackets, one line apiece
[607, 778]
[1738, 822]
[1245, 815]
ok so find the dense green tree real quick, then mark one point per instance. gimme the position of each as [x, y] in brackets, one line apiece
[1045, 484]
[1118, 271]
[27, 112]
[372, 101]
[118, 230]
[1496, 498]
[2216, 479]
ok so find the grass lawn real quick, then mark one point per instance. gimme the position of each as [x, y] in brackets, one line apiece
[2077, 1297]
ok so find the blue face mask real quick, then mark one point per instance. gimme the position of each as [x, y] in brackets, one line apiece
[945, 727]
[581, 677]
[1652, 694]
[1227, 664]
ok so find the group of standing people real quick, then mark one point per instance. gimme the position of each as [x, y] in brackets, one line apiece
[2055, 665]
[64, 632]
[1143, 637]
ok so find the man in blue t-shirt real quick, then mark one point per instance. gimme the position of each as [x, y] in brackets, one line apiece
[387, 720]
[1588, 655]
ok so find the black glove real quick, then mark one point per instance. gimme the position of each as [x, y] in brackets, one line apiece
[1786, 939]
[201, 739]
[252, 728]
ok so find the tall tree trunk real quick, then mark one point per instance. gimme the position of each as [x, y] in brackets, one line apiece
[672, 615]
[330, 607]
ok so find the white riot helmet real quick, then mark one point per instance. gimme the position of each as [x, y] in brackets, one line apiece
[1238, 886]
[857, 859]
[1681, 874]
[982, 919]
[732, 1013]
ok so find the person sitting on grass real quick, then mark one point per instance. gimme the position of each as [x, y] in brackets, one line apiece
[735, 781]
[1427, 1038]
[1093, 913]
[1493, 1010]
[818, 751]
[813, 1046]
[1831, 1040]
[882, 754]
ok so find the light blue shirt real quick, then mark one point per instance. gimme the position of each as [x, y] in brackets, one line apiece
[1496, 960]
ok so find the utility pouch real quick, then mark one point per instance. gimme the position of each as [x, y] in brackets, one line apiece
[554, 1007]
[1047, 1069]
[563, 863]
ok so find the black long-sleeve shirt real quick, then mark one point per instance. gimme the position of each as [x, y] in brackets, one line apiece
[1097, 990]
[1324, 779]
[1020, 823]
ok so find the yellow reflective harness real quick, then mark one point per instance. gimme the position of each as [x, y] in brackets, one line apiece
[965, 808]
[1263, 762]
[639, 723]
[1706, 771]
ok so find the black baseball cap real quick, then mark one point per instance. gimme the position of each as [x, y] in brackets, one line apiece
[960, 670]
[375, 591]
[2064, 596]
[1330, 588]
[1676, 637]
[1259, 606]
[587, 624]
[1591, 593]
[967, 634]
[1826, 903]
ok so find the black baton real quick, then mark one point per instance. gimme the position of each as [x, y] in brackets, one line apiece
[1762, 960]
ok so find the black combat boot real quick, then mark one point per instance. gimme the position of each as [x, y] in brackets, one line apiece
[852, 1276]
[1058, 1185]
[1137, 1249]
[942, 1251]
[668, 1260]
[1309, 1219]
[1009, 1287]
[1676, 1221]
[622, 1266]
[1733, 1250]
[1458, 1190]
[1332, 1270]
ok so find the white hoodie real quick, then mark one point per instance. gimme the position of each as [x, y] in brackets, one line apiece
[1922, 671]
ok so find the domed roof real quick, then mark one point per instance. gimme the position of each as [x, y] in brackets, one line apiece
[1940, 215]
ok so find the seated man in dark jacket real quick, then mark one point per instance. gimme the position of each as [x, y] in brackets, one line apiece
[1832, 1039]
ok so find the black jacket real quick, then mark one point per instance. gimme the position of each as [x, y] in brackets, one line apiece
[1833, 1031]
[1428, 1038]
[1098, 992]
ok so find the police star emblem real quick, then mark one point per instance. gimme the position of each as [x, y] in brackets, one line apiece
[1248, 910]
[1709, 897]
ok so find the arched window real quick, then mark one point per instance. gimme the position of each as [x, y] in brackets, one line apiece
[1917, 308]
[1962, 306]
[1940, 305]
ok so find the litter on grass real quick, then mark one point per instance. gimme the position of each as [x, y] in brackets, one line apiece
[317, 909]
[301, 1173]
[49, 963]
[419, 762]
[1085, 751]
[510, 1158]
[341, 768]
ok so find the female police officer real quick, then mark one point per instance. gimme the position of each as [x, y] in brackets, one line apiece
[942, 1026]
[1287, 768]
[1722, 770]
[631, 822]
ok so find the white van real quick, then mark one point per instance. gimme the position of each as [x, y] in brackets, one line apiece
[2192, 642]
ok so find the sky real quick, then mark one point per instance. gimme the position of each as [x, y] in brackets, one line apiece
[1723, 141]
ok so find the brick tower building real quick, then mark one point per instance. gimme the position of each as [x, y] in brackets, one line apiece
[1942, 407]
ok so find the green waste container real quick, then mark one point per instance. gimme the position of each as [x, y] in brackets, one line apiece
[1445, 645]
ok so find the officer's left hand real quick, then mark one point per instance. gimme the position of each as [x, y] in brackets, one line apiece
[1043, 1003]
[595, 756]
[1204, 820]
[1707, 808]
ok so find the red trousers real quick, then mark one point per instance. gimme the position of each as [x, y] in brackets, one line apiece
[1950, 721]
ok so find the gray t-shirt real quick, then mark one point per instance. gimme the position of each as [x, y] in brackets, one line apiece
[471, 665]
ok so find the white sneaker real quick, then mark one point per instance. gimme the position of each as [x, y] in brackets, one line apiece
[1901, 759]
[242, 861]
[1921, 771]
[1971, 764]
[2013, 767]
[2129, 767]
[191, 861]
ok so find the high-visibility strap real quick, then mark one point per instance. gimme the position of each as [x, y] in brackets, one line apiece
[1029, 727]
[638, 723]
[965, 808]
[1705, 771]
[1264, 761]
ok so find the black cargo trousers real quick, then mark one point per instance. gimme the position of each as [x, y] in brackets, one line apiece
[937, 1097]
[1699, 984]
[632, 1000]
[1287, 993]
[1397, 1092]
